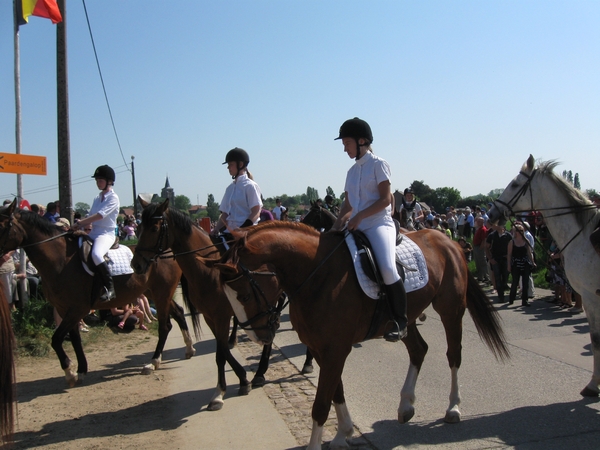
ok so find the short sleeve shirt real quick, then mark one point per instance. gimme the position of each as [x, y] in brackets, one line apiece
[362, 186]
[240, 197]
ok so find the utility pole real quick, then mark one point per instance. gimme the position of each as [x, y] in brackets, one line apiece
[62, 103]
[135, 211]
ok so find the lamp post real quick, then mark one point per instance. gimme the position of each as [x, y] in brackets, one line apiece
[134, 193]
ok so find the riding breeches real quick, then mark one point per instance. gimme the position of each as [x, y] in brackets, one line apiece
[383, 241]
[102, 245]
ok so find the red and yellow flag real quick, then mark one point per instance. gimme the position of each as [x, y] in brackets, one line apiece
[40, 8]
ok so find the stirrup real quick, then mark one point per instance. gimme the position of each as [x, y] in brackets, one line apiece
[395, 334]
[107, 295]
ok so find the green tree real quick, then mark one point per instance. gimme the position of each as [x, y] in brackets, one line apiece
[443, 197]
[591, 193]
[212, 208]
[329, 191]
[576, 183]
[82, 208]
[422, 191]
[311, 194]
[182, 203]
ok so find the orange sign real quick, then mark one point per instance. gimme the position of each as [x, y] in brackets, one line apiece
[22, 164]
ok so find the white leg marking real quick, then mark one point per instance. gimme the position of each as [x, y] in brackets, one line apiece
[216, 402]
[345, 426]
[315, 437]
[240, 312]
[189, 345]
[406, 409]
[453, 413]
[70, 376]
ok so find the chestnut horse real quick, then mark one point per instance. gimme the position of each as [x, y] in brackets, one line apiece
[570, 217]
[68, 287]
[162, 228]
[330, 312]
[7, 372]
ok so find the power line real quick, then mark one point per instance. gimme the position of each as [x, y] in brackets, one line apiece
[103, 87]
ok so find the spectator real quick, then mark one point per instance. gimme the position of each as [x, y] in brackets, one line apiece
[460, 223]
[520, 264]
[497, 254]
[50, 213]
[265, 215]
[278, 209]
[469, 223]
[479, 247]
[467, 248]
[7, 276]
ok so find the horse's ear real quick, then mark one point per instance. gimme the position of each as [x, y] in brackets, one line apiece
[530, 162]
[144, 199]
[163, 207]
[13, 205]
[226, 268]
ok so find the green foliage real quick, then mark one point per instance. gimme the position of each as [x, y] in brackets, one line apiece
[329, 191]
[182, 203]
[212, 208]
[443, 197]
[311, 195]
[576, 183]
[591, 193]
[33, 327]
[82, 208]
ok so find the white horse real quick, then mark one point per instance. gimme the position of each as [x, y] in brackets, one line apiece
[571, 217]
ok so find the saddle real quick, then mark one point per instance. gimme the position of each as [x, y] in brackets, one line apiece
[118, 257]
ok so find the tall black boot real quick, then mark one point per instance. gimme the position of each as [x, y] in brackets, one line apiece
[108, 288]
[397, 301]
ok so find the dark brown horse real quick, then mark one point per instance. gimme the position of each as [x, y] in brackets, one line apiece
[163, 228]
[68, 287]
[319, 218]
[7, 372]
[331, 313]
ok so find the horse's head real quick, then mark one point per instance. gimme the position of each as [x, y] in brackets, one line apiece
[6, 227]
[319, 218]
[153, 239]
[20, 228]
[516, 197]
[254, 294]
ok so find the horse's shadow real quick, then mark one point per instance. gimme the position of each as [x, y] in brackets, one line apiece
[526, 427]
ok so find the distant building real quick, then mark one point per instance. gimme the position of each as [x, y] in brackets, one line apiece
[168, 192]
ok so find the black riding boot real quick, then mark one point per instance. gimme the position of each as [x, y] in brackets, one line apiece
[397, 301]
[108, 288]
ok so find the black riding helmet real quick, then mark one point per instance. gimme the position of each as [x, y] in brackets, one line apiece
[357, 129]
[239, 155]
[408, 191]
[105, 172]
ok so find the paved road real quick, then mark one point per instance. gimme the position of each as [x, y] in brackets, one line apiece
[530, 402]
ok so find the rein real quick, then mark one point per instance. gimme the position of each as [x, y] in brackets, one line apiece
[10, 224]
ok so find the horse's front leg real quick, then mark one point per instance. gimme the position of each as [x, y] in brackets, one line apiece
[57, 344]
[263, 365]
[164, 328]
[592, 310]
[417, 349]
[330, 389]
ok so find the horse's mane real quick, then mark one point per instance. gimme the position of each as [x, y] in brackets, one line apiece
[35, 220]
[276, 224]
[575, 198]
[180, 220]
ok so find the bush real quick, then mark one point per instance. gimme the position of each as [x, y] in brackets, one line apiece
[33, 326]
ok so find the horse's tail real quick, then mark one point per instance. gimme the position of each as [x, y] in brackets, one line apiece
[487, 320]
[195, 315]
[7, 373]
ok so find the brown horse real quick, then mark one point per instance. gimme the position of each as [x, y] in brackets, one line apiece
[68, 287]
[163, 228]
[7, 372]
[330, 312]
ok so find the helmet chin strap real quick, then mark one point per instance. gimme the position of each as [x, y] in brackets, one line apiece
[358, 146]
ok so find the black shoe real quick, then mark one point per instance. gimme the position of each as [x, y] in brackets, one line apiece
[395, 334]
[525, 304]
[510, 302]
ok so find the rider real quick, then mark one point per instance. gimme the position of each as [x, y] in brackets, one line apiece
[103, 215]
[330, 206]
[241, 203]
[367, 208]
[412, 206]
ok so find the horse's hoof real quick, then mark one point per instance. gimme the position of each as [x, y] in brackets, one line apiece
[587, 392]
[245, 390]
[405, 416]
[190, 353]
[258, 382]
[452, 416]
[308, 368]
[79, 379]
[215, 405]
[148, 369]
[423, 317]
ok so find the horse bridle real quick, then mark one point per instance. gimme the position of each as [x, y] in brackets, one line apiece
[272, 312]
[527, 187]
[158, 250]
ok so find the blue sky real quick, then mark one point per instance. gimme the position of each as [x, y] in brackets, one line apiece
[458, 93]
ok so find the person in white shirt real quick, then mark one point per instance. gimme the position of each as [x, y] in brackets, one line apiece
[278, 210]
[242, 202]
[367, 207]
[103, 216]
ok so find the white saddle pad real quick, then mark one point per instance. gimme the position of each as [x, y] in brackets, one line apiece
[408, 253]
[119, 261]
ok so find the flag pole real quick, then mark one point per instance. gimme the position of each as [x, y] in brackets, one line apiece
[62, 104]
[22, 281]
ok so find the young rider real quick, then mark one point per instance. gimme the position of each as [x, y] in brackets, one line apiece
[241, 203]
[412, 206]
[103, 216]
[367, 207]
